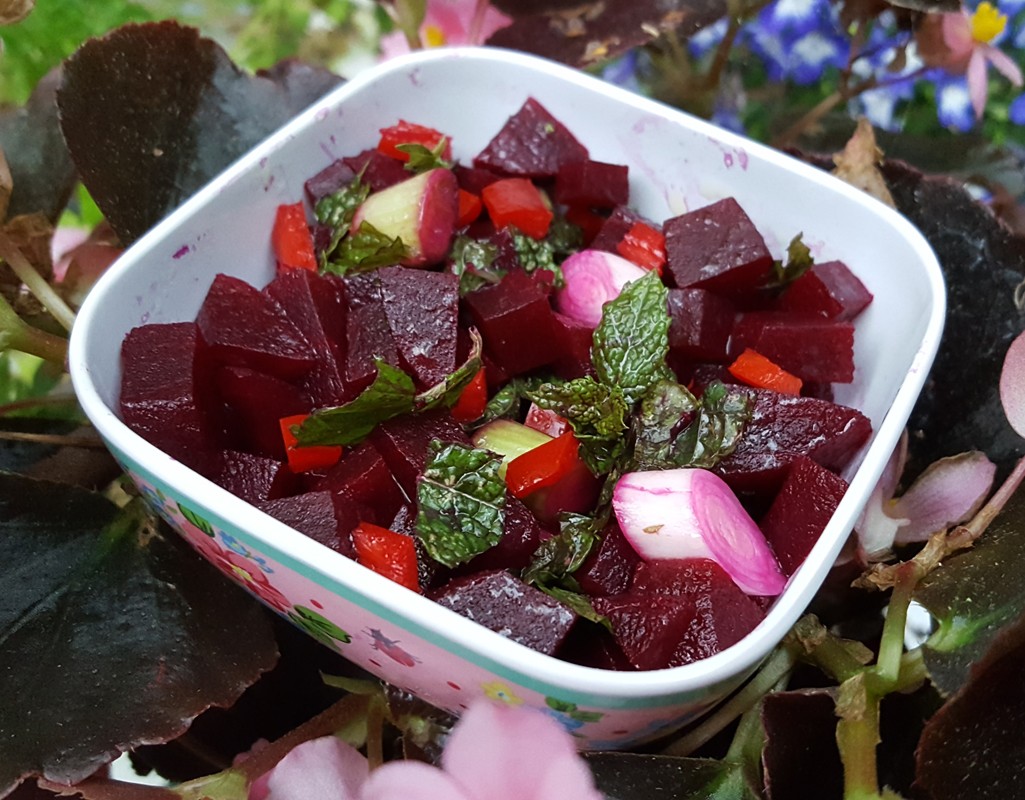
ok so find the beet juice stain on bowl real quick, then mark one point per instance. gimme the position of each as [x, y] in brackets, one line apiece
[446, 463]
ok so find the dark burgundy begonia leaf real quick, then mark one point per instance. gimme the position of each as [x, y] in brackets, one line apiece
[627, 776]
[972, 596]
[41, 169]
[151, 112]
[973, 746]
[587, 33]
[111, 633]
[801, 754]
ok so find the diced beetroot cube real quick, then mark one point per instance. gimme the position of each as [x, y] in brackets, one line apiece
[166, 393]
[783, 427]
[724, 617]
[362, 479]
[503, 603]
[473, 179]
[621, 220]
[798, 515]
[700, 324]
[590, 646]
[648, 628]
[256, 479]
[329, 180]
[504, 313]
[379, 171]
[531, 144]
[255, 402]
[521, 536]
[404, 443]
[592, 183]
[673, 577]
[812, 348]
[609, 567]
[717, 248]
[572, 341]
[422, 309]
[315, 305]
[368, 333]
[828, 290]
[243, 327]
[312, 514]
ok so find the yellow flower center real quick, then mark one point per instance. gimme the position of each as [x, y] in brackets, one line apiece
[435, 37]
[987, 23]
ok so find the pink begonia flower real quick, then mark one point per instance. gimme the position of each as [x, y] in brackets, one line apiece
[495, 752]
[948, 492]
[450, 22]
[962, 43]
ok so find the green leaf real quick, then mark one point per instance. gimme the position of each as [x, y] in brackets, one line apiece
[537, 254]
[799, 260]
[471, 260]
[336, 210]
[392, 393]
[507, 401]
[462, 501]
[578, 602]
[447, 391]
[557, 558]
[364, 251]
[424, 159]
[632, 340]
[113, 633]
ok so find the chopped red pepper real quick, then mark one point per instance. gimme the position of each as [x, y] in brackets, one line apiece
[291, 239]
[472, 400]
[387, 553]
[308, 458]
[542, 466]
[756, 370]
[519, 203]
[469, 208]
[645, 246]
[411, 133]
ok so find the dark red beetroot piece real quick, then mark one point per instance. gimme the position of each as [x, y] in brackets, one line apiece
[805, 503]
[255, 402]
[422, 309]
[812, 348]
[783, 427]
[474, 180]
[312, 514]
[573, 344]
[829, 290]
[716, 248]
[595, 184]
[531, 144]
[368, 334]
[404, 442]
[243, 327]
[700, 324]
[612, 231]
[165, 393]
[609, 567]
[337, 175]
[503, 603]
[361, 484]
[314, 303]
[379, 171]
[256, 478]
[515, 319]
[521, 536]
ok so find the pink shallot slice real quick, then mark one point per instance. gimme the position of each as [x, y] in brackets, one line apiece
[593, 277]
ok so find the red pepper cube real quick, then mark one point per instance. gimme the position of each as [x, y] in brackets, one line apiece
[645, 246]
[754, 369]
[291, 239]
[517, 202]
[594, 184]
[470, 207]
[542, 466]
[473, 399]
[309, 458]
[411, 133]
[387, 553]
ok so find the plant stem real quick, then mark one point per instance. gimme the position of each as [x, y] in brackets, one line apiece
[857, 735]
[51, 438]
[891, 644]
[42, 290]
[107, 789]
[16, 334]
[826, 650]
[775, 669]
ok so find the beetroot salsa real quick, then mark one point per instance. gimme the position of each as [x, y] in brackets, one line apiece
[606, 437]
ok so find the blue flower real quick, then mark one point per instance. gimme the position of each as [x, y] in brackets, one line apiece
[954, 104]
[1016, 111]
[707, 39]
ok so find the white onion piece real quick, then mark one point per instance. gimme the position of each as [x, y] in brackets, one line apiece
[593, 277]
[692, 513]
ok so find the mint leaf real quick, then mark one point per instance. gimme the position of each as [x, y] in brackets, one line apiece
[632, 340]
[559, 557]
[392, 393]
[596, 411]
[657, 426]
[799, 260]
[578, 602]
[471, 260]
[336, 211]
[447, 391]
[365, 250]
[537, 254]
[462, 500]
[424, 159]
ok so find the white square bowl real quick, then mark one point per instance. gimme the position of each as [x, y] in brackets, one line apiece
[676, 163]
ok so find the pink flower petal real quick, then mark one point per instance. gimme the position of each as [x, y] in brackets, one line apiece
[515, 753]
[948, 493]
[877, 527]
[957, 35]
[1005, 64]
[325, 768]
[1012, 385]
[411, 780]
[978, 88]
